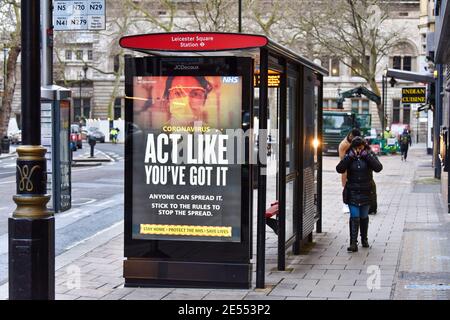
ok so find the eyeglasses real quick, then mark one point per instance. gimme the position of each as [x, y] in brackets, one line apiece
[195, 93]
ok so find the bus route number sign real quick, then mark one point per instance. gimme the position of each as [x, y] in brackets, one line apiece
[88, 15]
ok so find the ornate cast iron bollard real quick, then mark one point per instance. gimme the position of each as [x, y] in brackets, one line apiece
[31, 254]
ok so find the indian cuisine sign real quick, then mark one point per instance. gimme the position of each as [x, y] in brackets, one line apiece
[414, 95]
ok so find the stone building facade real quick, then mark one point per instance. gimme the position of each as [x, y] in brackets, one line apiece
[86, 63]
[408, 54]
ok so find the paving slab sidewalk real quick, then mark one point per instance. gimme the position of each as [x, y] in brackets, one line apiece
[411, 228]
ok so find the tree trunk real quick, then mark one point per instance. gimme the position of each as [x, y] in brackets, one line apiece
[115, 91]
[374, 86]
[8, 94]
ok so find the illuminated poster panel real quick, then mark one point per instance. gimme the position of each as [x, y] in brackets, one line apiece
[185, 184]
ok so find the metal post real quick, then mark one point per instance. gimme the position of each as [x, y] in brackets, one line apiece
[417, 129]
[81, 107]
[437, 123]
[240, 16]
[319, 155]
[31, 231]
[282, 171]
[385, 102]
[262, 171]
[47, 43]
[383, 89]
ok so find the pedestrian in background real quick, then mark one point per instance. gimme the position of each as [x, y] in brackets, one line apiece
[405, 143]
[359, 162]
[113, 134]
[344, 146]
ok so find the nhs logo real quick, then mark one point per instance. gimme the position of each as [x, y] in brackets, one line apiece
[230, 79]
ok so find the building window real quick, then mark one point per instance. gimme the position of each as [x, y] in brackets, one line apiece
[330, 104]
[395, 111]
[89, 55]
[356, 69]
[407, 63]
[335, 72]
[117, 108]
[325, 63]
[402, 63]
[355, 106]
[397, 62]
[68, 54]
[81, 108]
[407, 114]
[76, 110]
[365, 107]
[79, 54]
[87, 108]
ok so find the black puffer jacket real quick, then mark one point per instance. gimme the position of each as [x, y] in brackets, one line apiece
[359, 177]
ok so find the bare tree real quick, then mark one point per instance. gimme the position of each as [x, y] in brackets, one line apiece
[351, 30]
[159, 13]
[11, 39]
[212, 15]
[268, 15]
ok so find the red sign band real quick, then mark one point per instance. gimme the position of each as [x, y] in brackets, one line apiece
[193, 41]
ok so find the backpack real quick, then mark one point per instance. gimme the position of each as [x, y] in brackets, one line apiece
[404, 139]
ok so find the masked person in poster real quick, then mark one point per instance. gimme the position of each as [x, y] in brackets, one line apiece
[359, 162]
[186, 98]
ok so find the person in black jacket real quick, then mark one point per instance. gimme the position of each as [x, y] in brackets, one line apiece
[359, 162]
[405, 143]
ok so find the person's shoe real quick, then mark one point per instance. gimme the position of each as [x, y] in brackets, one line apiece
[345, 209]
[373, 213]
[364, 224]
[354, 230]
[353, 247]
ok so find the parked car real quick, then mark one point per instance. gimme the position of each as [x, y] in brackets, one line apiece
[75, 135]
[72, 146]
[84, 132]
[96, 133]
[16, 137]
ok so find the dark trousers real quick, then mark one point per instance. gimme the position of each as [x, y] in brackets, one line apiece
[404, 151]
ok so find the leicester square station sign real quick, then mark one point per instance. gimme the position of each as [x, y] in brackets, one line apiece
[187, 41]
[414, 95]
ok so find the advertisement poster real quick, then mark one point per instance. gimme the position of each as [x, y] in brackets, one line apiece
[185, 185]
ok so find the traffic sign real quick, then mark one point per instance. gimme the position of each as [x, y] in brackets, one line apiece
[86, 15]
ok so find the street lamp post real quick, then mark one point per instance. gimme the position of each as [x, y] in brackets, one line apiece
[31, 233]
[383, 103]
[82, 78]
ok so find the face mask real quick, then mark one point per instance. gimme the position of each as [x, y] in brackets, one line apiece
[180, 110]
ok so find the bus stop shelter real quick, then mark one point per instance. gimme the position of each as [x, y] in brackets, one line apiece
[244, 82]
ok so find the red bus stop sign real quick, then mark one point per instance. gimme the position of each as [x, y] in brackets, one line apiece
[192, 41]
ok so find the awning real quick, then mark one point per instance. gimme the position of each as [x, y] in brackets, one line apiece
[410, 76]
